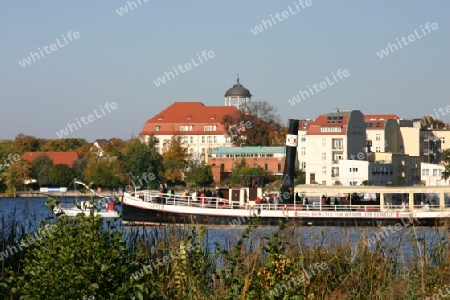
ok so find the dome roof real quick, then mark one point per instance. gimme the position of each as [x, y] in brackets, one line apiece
[238, 91]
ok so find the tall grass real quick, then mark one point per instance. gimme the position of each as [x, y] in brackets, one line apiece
[274, 264]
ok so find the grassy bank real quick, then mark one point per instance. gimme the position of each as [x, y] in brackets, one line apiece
[84, 257]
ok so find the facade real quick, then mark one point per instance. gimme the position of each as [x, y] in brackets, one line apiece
[444, 136]
[198, 125]
[224, 159]
[383, 132]
[431, 175]
[328, 139]
[405, 168]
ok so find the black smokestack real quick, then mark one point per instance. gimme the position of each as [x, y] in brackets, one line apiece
[287, 183]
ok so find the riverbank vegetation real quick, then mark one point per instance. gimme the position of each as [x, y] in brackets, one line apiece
[88, 257]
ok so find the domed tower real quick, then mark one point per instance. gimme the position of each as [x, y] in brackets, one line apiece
[238, 96]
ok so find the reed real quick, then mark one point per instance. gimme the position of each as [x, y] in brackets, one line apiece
[177, 262]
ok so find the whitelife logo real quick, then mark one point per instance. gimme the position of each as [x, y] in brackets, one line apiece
[86, 120]
[323, 85]
[411, 38]
[35, 56]
[281, 17]
[124, 9]
[188, 66]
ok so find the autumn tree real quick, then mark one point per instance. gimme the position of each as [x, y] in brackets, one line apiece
[430, 122]
[15, 176]
[259, 126]
[27, 143]
[67, 144]
[175, 159]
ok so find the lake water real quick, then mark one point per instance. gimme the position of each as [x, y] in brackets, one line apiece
[33, 210]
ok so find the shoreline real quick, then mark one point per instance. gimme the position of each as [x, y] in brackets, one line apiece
[37, 194]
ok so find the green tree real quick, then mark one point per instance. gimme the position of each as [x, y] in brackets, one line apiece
[243, 169]
[103, 172]
[175, 159]
[142, 158]
[79, 166]
[446, 160]
[40, 169]
[61, 175]
[200, 175]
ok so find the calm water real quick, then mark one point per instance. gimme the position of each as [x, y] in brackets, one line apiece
[33, 210]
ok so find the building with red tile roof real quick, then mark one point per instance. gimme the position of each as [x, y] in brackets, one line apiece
[58, 158]
[198, 125]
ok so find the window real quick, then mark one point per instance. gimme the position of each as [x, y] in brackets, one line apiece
[338, 143]
[353, 170]
[191, 139]
[203, 139]
[377, 137]
[222, 167]
[209, 139]
[377, 149]
[324, 170]
[215, 139]
[324, 156]
[353, 183]
[334, 172]
[184, 128]
[209, 128]
[425, 172]
[435, 172]
[303, 164]
[303, 151]
[184, 139]
[157, 128]
[279, 168]
[303, 138]
[266, 167]
[324, 141]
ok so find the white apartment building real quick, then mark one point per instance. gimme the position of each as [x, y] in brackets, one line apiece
[383, 132]
[328, 139]
[431, 175]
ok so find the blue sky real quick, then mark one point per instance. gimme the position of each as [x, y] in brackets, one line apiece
[117, 58]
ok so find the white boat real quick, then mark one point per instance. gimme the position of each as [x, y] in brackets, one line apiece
[105, 209]
[104, 206]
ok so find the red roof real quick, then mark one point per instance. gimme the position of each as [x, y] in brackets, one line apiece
[330, 124]
[378, 121]
[380, 117]
[194, 114]
[58, 158]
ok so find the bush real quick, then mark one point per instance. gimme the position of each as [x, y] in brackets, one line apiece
[79, 257]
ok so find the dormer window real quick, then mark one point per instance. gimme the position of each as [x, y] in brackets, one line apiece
[157, 128]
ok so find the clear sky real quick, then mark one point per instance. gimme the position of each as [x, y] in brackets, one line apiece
[117, 58]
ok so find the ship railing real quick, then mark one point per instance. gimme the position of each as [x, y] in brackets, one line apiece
[220, 203]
